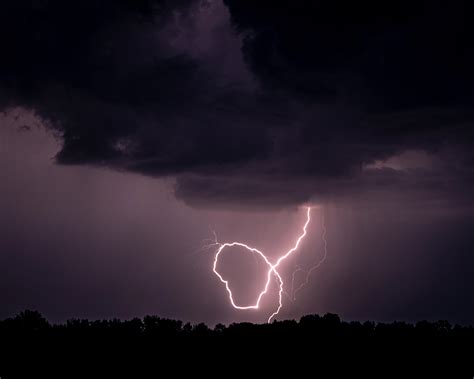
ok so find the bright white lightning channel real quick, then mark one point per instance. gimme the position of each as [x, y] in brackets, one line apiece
[272, 268]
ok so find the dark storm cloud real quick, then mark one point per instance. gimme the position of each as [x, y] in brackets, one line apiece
[400, 53]
[108, 78]
[338, 86]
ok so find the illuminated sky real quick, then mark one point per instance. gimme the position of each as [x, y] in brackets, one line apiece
[132, 130]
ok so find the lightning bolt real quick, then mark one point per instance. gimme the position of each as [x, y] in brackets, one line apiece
[314, 267]
[272, 269]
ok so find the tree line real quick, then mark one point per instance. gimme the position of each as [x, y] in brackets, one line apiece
[30, 346]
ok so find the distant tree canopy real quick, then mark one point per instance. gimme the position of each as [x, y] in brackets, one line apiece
[31, 346]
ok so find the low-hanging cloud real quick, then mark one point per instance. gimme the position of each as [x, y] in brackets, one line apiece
[248, 102]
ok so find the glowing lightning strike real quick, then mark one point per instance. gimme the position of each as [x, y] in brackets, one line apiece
[315, 266]
[272, 268]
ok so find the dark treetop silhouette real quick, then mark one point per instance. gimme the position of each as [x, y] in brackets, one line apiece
[32, 347]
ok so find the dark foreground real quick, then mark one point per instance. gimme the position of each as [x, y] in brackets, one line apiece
[153, 347]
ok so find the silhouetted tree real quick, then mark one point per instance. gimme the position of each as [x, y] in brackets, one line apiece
[31, 347]
[31, 321]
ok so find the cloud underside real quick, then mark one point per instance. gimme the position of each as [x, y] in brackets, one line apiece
[316, 93]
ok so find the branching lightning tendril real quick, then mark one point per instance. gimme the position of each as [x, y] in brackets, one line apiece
[272, 269]
[314, 267]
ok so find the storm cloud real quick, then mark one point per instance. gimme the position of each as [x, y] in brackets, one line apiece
[271, 103]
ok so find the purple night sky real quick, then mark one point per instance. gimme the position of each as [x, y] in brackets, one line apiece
[129, 131]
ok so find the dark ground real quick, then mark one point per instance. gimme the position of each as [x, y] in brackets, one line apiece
[155, 347]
